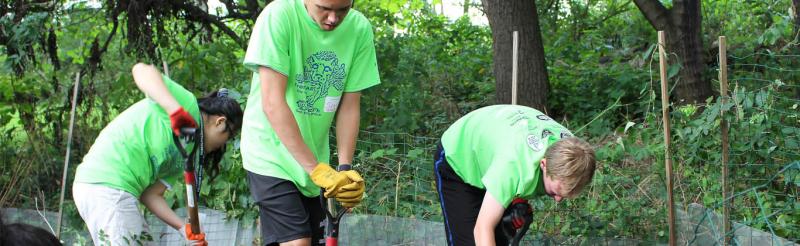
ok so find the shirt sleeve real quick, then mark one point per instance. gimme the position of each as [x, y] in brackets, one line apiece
[169, 172]
[269, 42]
[364, 72]
[185, 98]
[166, 183]
[502, 181]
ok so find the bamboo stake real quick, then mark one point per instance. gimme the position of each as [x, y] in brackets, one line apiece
[723, 91]
[66, 157]
[166, 68]
[514, 68]
[662, 57]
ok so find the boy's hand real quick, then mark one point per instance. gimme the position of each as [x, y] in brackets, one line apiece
[193, 239]
[350, 195]
[517, 216]
[332, 181]
[180, 119]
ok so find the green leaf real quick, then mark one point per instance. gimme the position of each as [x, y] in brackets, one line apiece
[377, 154]
[673, 70]
[761, 98]
[415, 153]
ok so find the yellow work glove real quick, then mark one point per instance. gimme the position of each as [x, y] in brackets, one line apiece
[351, 194]
[330, 180]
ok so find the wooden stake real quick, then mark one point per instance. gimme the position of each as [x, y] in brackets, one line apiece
[662, 57]
[166, 68]
[723, 91]
[66, 157]
[514, 68]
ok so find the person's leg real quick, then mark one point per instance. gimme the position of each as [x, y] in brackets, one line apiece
[460, 202]
[316, 217]
[112, 216]
[284, 218]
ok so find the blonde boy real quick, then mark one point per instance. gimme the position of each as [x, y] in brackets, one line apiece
[497, 153]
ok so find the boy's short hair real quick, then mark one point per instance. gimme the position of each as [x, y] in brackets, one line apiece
[572, 161]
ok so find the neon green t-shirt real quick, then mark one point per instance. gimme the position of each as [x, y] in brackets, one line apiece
[498, 148]
[320, 66]
[136, 149]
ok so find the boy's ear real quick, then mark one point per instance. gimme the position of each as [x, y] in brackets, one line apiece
[543, 163]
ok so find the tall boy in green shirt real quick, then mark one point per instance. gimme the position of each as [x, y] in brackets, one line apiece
[310, 60]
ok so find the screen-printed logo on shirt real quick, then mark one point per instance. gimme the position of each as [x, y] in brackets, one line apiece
[546, 133]
[320, 71]
[535, 143]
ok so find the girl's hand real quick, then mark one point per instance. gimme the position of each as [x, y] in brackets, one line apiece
[181, 119]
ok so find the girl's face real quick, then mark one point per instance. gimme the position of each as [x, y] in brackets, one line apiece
[216, 132]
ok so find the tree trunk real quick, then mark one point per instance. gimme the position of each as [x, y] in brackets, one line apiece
[684, 39]
[505, 17]
[795, 15]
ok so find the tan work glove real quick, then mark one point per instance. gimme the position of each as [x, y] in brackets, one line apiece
[328, 179]
[351, 194]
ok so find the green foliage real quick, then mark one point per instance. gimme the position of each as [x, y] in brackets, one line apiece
[433, 63]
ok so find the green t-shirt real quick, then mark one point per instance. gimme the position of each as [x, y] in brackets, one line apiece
[320, 66]
[498, 148]
[136, 149]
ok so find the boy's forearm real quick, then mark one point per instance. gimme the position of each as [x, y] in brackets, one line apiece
[281, 118]
[484, 236]
[347, 122]
[488, 217]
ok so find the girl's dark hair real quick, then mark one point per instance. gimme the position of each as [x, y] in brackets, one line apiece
[22, 234]
[218, 103]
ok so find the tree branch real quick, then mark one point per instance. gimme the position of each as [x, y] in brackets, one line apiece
[655, 13]
[203, 16]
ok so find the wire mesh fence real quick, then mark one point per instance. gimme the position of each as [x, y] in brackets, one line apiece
[764, 163]
[764, 172]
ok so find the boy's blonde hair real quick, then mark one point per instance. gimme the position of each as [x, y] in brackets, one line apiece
[572, 161]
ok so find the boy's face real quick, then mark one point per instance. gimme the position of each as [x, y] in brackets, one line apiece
[551, 186]
[328, 14]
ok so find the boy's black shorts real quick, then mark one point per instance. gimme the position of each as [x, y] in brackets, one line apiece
[461, 204]
[286, 214]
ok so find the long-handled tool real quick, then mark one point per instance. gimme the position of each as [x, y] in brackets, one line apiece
[190, 135]
[332, 222]
[516, 220]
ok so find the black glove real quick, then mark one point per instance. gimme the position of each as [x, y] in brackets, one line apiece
[516, 219]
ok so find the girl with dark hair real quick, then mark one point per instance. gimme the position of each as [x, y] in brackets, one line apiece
[135, 159]
[23, 234]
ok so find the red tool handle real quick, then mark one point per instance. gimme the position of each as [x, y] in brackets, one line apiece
[331, 221]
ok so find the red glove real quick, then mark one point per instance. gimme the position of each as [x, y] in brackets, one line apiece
[195, 239]
[180, 119]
